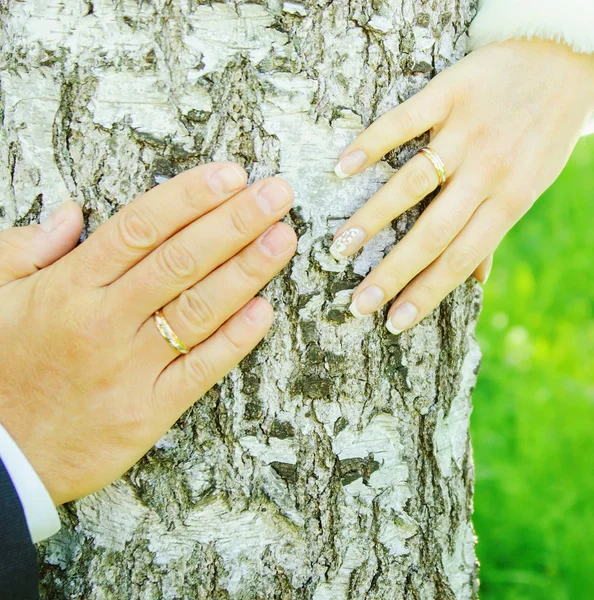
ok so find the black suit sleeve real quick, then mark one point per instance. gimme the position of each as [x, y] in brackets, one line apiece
[18, 559]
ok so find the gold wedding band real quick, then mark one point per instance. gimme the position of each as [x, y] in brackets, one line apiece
[168, 333]
[436, 162]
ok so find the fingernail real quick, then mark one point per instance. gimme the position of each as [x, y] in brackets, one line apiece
[227, 179]
[273, 197]
[54, 220]
[351, 163]
[368, 301]
[256, 311]
[488, 273]
[402, 318]
[347, 243]
[275, 240]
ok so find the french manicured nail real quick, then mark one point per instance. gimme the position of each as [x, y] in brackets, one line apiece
[368, 301]
[350, 164]
[276, 240]
[256, 311]
[273, 197]
[54, 221]
[227, 179]
[347, 243]
[402, 318]
[488, 273]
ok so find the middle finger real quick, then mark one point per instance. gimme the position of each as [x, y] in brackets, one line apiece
[202, 309]
[435, 229]
[201, 247]
[415, 180]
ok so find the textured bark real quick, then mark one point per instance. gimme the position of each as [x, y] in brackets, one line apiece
[335, 462]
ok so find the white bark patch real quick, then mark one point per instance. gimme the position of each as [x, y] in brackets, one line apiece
[30, 106]
[238, 538]
[337, 589]
[274, 450]
[294, 8]
[451, 430]
[141, 100]
[111, 517]
[463, 554]
[248, 29]
[393, 534]
[327, 413]
[380, 439]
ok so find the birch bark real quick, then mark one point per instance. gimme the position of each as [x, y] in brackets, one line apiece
[335, 462]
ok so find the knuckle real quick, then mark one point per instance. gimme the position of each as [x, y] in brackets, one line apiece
[234, 346]
[521, 199]
[381, 211]
[418, 182]
[482, 135]
[446, 96]
[408, 119]
[77, 329]
[195, 313]
[498, 163]
[137, 231]
[393, 276]
[239, 223]
[472, 194]
[439, 233]
[200, 371]
[176, 261]
[136, 426]
[425, 296]
[188, 186]
[462, 260]
[509, 210]
[462, 90]
[192, 187]
[247, 272]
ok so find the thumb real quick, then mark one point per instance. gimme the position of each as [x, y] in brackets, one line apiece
[482, 272]
[25, 250]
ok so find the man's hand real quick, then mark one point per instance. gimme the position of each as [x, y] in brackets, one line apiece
[87, 382]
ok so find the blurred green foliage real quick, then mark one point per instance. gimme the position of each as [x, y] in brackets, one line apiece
[533, 421]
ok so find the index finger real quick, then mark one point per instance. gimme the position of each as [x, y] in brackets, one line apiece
[406, 121]
[144, 224]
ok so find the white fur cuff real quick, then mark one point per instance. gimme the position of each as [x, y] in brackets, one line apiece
[589, 126]
[568, 21]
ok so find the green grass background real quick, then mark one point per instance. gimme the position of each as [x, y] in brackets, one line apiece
[533, 419]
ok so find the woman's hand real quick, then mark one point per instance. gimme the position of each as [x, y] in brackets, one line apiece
[504, 121]
[87, 382]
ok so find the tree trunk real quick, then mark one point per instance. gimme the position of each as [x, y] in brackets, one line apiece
[335, 462]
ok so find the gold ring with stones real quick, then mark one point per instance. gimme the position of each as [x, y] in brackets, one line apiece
[436, 162]
[168, 333]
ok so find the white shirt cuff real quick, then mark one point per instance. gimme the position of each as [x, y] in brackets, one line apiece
[40, 513]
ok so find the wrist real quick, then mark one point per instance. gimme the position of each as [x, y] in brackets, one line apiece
[591, 76]
[571, 69]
